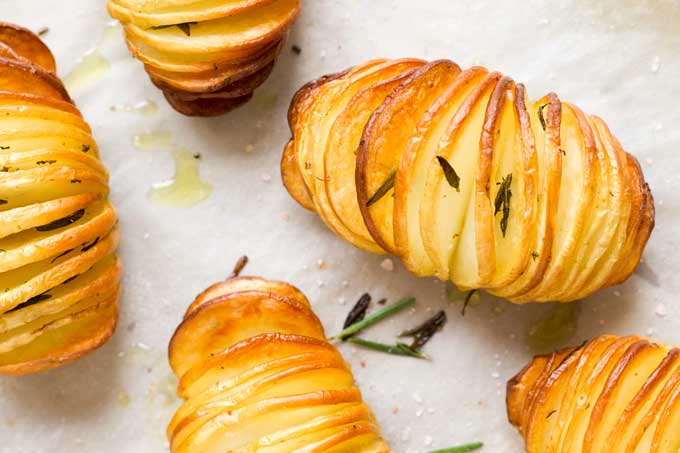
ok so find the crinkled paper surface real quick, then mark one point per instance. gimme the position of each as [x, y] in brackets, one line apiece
[619, 59]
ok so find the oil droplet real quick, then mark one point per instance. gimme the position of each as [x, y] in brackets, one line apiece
[186, 188]
[89, 69]
[558, 327]
[152, 140]
[123, 399]
[144, 108]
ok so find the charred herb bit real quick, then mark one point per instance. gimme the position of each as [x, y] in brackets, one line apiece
[358, 312]
[535, 255]
[61, 223]
[551, 413]
[396, 349]
[45, 162]
[468, 298]
[76, 181]
[297, 50]
[4, 148]
[374, 318]
[3, 201]
[66, 252]
[541, 118]
[90, 245]
[197, 156]
[424, 332]
[449, 173]
[382, 190]
[238, 267]
[85, 148]
[4, 169]
[562, 151]
[185, 27]
[43, 31]
[460, 448]
[502, 201]
[32, 301]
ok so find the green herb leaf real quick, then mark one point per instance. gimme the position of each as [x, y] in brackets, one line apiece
[460, 448]
[374, 318]
[502, 201]
[449, 173]
[396, 349]
[185, 27]
[541, 118]
[382, 190]
[425, 331]
[61, 223]
[468, 298]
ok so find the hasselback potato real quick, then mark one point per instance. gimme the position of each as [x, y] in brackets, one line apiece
[258, 375]
[59, 275]
[613, 394]
[455, 172]
[206, 55]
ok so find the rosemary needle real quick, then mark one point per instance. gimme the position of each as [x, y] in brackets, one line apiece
[460, 448]
[374, 318]
[396, 349]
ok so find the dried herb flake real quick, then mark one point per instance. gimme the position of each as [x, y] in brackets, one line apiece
[541, 118]
[425, 331]
[449, 173]
[358, 312]
[502, 201]
[382, 190]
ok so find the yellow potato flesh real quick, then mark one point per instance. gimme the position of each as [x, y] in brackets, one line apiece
[258, 375]
[614, 394]
[574, 217]
[59, 276]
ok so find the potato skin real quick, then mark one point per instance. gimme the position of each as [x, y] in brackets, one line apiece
[257, 374]
[574, 217]
[614, 394]
[59, 275]
[203, 69]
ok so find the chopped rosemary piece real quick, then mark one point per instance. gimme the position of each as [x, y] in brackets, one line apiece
[185, 27]
[3, 201]
[424, 332]
[460, 448]
[45, 162]
[43, 31]
[468, 298]
[32, 301]
[238, 267]
[4, 148]
[449, 173]
[541, 118]
[358, 312]
[502, 201]
[382, 190]
[61, 223]
[374, 318]
[396, 349]
[535, 255]
[85, 148]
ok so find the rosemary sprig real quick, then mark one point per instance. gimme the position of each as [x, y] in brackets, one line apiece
[425, 331]
[460, 448]
[238, 267]
[396, 349]
[502, 201]
[358, 312]
[382, 190]
[374, 318]
[468, 298]
[61, 223]
[185, 27]
[541, 118]
[449, 173]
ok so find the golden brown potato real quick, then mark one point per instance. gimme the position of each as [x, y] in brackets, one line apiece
[257, 374]
[613, 394]
[208, 56]
[456, 173]
[59, 275]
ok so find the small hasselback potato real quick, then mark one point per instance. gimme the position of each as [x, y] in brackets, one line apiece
[612, 394]
[207, 56]
[460, 176]
[59, 275]
[257, 374]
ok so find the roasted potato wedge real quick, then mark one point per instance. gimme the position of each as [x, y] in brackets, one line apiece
[614, 394]
[257, 374]
[207, 56]
[59, 274]
[461, 177]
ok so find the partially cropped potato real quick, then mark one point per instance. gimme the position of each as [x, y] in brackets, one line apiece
[613, 394]
[459, 175]
[59, 275]
[258, 375]
[207, 56]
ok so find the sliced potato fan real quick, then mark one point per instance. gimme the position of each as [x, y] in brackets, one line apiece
[614, 394]
[59, 275]
[257, 374]
[208, 56]
[460, 176]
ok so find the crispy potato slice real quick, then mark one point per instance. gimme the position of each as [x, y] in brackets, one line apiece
[21, 76]
[25, 44]
[292, 179]
[385, 139]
